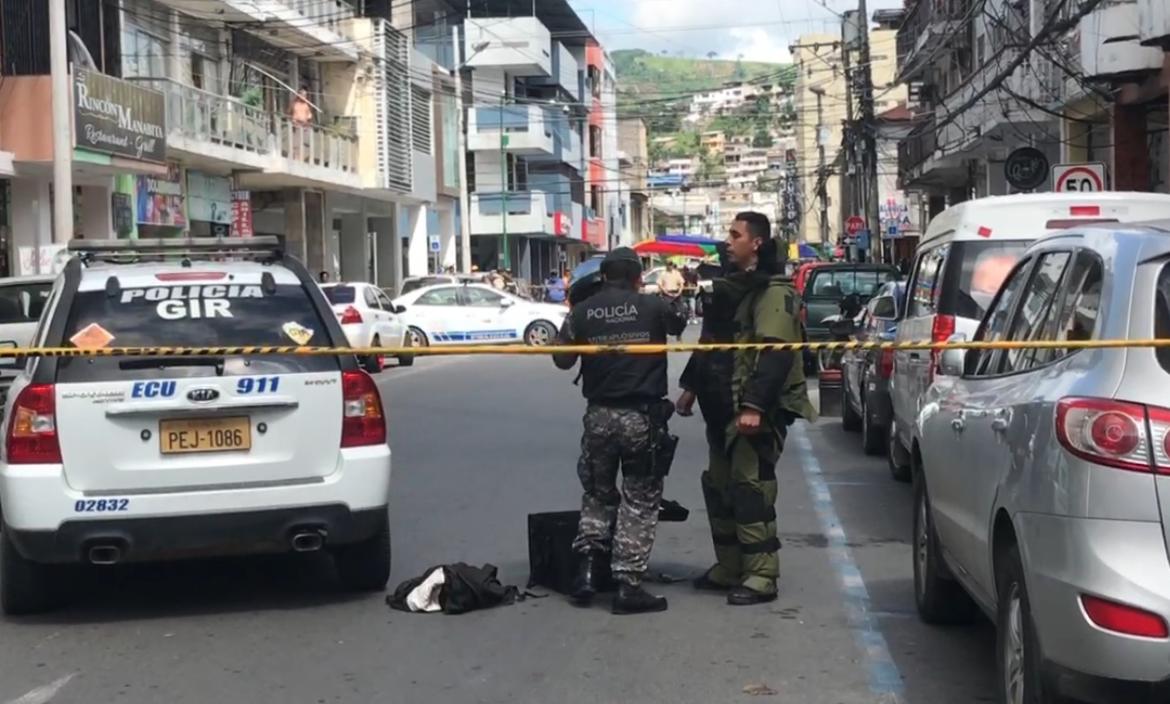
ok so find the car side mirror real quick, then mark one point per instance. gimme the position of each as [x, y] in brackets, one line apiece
[952, 360]
[885, 308]
[507, 303]
[399, 309]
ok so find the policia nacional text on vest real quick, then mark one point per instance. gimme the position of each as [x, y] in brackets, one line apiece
[625, 427]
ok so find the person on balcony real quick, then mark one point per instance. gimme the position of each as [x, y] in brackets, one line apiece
[300, 111]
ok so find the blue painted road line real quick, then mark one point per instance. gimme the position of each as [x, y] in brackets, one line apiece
[885, 681]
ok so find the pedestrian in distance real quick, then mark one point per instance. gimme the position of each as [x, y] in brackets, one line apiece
[748, 399]
[625, 429]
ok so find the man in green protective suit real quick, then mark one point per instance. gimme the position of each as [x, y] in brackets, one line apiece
[748, 399]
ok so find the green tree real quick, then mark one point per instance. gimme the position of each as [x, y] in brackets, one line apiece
[762, 139]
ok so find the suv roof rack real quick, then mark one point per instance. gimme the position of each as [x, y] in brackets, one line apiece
[177, 247]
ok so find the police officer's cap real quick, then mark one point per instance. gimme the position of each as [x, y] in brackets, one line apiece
[623, 254]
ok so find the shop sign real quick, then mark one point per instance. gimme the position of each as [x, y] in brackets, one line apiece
[114, 116]
[160, 199]
[241, 214]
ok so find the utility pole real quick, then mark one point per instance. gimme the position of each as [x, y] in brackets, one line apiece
[62, 131]
[464, 186]
[869, 133]
[822, 177]
[851, 172]
[505, 259]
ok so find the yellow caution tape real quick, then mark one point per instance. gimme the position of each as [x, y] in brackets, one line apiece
[451, 350]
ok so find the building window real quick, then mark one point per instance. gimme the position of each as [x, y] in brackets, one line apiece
[420, 123]
[595, 141]
[143, 54]
[595, 199]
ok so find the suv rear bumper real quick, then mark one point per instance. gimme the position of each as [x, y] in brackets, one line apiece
[1122, 561]
[177, 537]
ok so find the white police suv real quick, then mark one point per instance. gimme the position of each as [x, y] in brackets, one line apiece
[135, 458]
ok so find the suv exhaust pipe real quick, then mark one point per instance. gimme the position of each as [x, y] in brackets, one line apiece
[308, 541]
[105, 555]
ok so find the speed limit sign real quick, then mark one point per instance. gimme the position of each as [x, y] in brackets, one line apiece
[1078, 178]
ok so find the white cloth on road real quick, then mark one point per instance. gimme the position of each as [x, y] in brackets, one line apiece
[425, 597]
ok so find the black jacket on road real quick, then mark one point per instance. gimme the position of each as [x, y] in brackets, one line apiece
[618, 315]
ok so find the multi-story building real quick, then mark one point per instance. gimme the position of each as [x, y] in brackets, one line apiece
[744, 166]
[543, 139]
[633, 160]
[302, 118]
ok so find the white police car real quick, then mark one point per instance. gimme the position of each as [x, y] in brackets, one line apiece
[122, 459]
[475, 314]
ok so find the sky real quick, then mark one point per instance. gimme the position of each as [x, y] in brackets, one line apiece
[760, 30]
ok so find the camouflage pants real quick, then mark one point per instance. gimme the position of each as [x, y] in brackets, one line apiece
[739, 488]
[616, 437]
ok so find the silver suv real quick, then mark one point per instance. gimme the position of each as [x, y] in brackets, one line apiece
[1041, 475]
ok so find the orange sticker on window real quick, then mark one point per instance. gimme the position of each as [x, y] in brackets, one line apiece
[92, 337]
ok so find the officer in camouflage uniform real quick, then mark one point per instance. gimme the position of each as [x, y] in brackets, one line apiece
[748, 399]
[625, 426]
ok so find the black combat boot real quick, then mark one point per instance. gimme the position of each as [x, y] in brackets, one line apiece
[636, 600]
[584, 584]
[746, 596]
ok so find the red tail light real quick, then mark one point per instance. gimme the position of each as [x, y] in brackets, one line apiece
[1121, 618]
[363, 422]
[351, 316]
[886, 364]
[1108, 432]
[32, 432]
[940, 331]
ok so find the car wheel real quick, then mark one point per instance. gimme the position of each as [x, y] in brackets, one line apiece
[26, 587]
[417, 338]
[377, 361]
[899, 469]
[940, 600]
[406, 360]
[365, 566]
[849, 418]
[540, 334]
[873, 441]
[1018, 656]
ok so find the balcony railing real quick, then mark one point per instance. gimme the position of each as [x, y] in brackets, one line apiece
[334, 14]
[315, 145]
[203, 116]
[917, 148]
[925, 16]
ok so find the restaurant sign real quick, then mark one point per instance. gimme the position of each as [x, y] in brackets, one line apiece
[114, 116]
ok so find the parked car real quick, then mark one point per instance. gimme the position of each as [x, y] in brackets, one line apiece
[1041, 493]
[22, 300]
[707, 274]
[369, 318]
[961, 262]
[129, 459]
[865, 390]
[800, 275]
[828, 285]
[466, 314]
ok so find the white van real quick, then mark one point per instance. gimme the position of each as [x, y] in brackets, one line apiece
[967, 251]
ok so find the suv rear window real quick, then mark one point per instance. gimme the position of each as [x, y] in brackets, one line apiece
[196, 316]
[975, 271]
[23, 303]
[340, 295]
[843, 282]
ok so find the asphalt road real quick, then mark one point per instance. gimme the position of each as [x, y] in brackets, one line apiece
[479, 443]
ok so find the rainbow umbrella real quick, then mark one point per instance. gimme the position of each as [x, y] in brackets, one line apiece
[665, 248]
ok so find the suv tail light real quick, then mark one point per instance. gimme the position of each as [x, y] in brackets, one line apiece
[1125, 619]
[351, 316]
[941, 330]
[363, 422]
[1115, 433]
[32, 432]
[885, 363]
